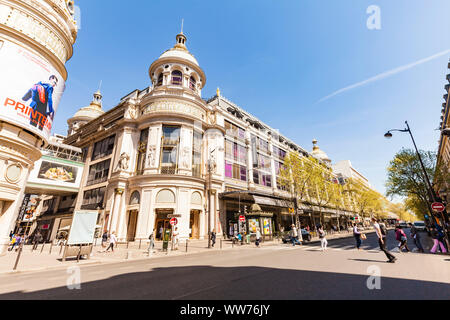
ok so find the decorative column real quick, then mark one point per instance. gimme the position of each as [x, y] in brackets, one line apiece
[36, 39]
[116, 209]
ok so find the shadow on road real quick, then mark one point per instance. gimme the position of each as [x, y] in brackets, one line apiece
[367, 260]
[239, 283]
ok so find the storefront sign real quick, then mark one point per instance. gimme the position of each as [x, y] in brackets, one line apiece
[31, 89]
[57, 172]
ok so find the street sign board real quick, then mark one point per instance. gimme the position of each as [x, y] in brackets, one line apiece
[174, 216]
[242, 218]
[437, 206]
[173, 221]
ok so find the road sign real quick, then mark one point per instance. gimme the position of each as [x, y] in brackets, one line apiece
[437, 206]
[173, 221]
[242, 218]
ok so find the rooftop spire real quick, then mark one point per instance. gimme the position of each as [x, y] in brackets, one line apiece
[181, 39]
[182, 24]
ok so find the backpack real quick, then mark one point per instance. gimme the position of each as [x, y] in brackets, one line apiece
[383, 229]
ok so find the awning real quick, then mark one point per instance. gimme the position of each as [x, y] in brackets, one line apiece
[272, 202]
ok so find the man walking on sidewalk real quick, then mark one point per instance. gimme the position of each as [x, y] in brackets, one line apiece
[112, 241]
[381, 234]
[416, 237]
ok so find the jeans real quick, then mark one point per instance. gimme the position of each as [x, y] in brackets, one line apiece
[418, 244]
[383, 248]
[111, 245]
[358, 241]
[295, 241]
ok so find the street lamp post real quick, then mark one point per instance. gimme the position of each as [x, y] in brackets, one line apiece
[388, 135]
[210, 164]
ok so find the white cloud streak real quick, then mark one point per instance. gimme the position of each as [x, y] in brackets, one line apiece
[385, 75]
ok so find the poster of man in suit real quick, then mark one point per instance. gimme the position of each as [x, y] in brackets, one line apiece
[30, 89]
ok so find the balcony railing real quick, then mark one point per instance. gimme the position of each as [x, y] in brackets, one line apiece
[168, 169]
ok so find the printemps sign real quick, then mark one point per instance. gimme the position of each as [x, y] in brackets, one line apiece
[31, 89]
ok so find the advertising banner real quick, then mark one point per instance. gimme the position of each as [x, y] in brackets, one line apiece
[57, 172]
[83, 227]
[31, 89]
[266, 226]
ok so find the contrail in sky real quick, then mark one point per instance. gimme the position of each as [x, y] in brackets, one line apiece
[384, 75]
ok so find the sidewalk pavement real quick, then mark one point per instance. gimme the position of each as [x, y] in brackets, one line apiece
[41, 259]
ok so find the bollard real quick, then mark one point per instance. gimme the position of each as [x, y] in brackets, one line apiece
[51, 246]
[140, 241]
[187, 244]
[60, 250]
[128, 242]
[79, 254]
[42, 249]
[128, 255]
[18, 256]
[221, 244]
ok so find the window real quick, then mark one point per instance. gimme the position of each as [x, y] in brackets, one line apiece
[84, 152]
[192, 83]
[279, 153]
[233, 130]
[197, 154]
[177, 78]
[142, 151]
[261, 163]
[98, 172]
[93, 198]
[103, 148]
[160, 79]
[235, 171]
[170, 143]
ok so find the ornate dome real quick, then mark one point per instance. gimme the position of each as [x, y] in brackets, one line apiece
[180, 50]
[86, 114]
[318, 153]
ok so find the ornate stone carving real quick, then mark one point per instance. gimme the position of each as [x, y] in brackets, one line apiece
[185, 157]
[212, 118]
[151, 156]
[122, 165]
[132, 112]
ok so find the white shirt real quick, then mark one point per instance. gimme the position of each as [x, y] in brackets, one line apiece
[112, 239]
[376, 226]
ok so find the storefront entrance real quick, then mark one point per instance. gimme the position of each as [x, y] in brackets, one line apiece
[162, 223]
[194, 224]
[131, 225]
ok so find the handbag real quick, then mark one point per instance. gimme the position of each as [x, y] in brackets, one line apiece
[363, 236]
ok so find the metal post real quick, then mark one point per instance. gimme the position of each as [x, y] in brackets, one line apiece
[18, 256]
[187, 244]
[79, 254]
[221, 244]
[140, 241]
[60, 250]
[42, 249]
[51, 246]
[128, 243]
[209, 203]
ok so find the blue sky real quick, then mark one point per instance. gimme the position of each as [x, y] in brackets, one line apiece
[277, 60]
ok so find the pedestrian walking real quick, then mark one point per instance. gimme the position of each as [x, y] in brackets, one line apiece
[294, 235]
[112, 242]
[322, 237]
[36, 239]
[416, 237]
[437, 240]
[213, 237]
[11, 235]
[357, 235]
[175, 238]
[381, 234]
[104, 239]
[400, 236]
[12, 243]
[151, 244]
[258, 237]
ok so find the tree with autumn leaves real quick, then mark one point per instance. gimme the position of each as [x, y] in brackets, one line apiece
[312, 182]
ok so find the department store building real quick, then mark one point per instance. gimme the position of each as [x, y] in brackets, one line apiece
[166, 152]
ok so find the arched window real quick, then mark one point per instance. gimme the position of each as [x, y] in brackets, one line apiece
[160, 79]
[192, 83]
[135, 198]
[196, 198]
[165, 196]
[177, 78]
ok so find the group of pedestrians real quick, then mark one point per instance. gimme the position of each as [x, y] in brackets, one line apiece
[15, 241]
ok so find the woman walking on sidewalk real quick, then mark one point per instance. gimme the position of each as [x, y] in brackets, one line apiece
[322, 237]
[437, 241]
[401, 237]
[258, 237]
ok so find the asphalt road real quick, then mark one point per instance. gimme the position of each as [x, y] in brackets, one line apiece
[279, 272]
